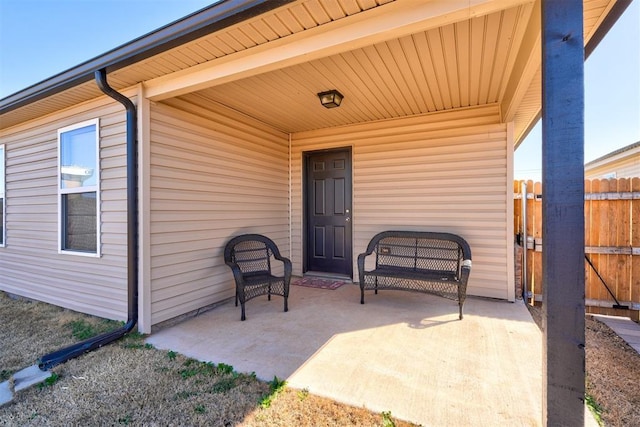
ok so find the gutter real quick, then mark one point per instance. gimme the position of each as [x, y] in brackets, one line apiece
[203, 22]
[50, 360]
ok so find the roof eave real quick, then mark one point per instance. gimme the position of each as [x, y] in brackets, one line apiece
[609, 21]
[603, 29]
[184, 30]
[626, 151]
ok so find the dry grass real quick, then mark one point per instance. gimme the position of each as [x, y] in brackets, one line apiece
[613, 373]
[130, 383]
[40, 328]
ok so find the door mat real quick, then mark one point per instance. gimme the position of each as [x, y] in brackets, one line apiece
[317, 282]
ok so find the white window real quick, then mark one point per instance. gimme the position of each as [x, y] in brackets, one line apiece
[2, 197]
[79, 188]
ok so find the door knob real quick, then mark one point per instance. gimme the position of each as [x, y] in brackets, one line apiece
[347, 219]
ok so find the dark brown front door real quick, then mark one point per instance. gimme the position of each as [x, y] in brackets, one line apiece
[328, 211]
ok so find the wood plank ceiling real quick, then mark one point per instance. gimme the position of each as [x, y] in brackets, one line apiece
[458, 65]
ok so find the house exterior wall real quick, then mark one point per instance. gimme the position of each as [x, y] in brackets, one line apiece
[439, 172]
[30, 264]
[624, 167]
[215, 174]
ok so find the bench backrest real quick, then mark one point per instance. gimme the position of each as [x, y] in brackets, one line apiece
[420, 251]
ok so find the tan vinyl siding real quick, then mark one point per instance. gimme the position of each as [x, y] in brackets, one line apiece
[437, 172]
[215, 174]
[628, 167]
[30, 264]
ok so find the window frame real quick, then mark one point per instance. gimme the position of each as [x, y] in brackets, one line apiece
[3, 196]
[79, 190]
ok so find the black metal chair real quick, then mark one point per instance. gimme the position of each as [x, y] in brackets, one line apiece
[249, 257]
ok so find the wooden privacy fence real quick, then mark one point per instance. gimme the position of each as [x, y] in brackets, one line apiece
[612, 244]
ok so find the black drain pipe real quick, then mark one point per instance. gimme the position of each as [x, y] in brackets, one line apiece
[60, 356]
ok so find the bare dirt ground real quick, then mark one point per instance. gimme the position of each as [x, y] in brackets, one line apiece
[613, 373]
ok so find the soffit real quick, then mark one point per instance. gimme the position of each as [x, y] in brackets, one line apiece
[529, 108]
[282, 22]
[458, 65]
[455, 66]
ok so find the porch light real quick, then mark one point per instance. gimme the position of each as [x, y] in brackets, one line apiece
[330, 99]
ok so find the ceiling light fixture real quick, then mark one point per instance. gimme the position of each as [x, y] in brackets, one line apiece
[330, 98]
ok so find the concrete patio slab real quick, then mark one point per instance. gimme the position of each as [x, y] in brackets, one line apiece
[401, 352]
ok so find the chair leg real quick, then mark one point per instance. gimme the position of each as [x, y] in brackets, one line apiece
[242, 317]
[286, 306]
[460, 305]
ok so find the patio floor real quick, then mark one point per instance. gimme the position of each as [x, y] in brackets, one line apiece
[401, 352]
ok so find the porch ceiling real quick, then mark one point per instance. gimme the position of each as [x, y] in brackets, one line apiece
[401, 58]
[464, 64]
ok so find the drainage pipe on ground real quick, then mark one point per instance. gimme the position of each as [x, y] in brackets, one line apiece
[60, 356]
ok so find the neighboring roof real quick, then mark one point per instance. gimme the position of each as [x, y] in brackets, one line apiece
[622, 152]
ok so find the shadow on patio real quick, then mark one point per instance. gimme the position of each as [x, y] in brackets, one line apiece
[401, 352]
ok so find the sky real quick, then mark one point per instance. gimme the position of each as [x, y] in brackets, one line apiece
[40, 38]
[611, 97]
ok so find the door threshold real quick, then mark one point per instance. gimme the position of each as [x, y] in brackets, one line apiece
[325, 275]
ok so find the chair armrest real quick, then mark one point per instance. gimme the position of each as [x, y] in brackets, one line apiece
[287, 264]
[237, 273]
[465, 271]
[287, 269]
[361, 271]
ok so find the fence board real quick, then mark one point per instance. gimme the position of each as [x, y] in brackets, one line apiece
[612, 233]
[635, 242]
[623, 291]
[604, 227]
[588, 237]
[592, 291]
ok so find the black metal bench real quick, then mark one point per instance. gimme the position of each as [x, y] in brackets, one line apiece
[249, 257]
[420, 261]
